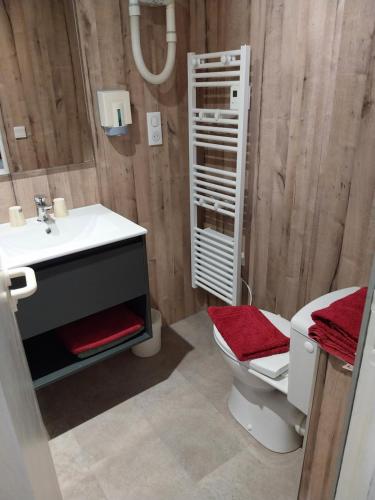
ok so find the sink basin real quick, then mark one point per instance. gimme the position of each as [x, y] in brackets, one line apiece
[84, 228]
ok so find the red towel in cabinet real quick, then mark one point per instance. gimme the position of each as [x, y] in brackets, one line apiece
[100, 329]
[336, 327]
[248, 332]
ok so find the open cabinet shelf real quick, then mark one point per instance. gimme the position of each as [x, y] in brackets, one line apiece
[49, 361]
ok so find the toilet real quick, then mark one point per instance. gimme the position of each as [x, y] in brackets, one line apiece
[270, 396]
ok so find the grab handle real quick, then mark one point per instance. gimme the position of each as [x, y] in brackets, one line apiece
[31, 285]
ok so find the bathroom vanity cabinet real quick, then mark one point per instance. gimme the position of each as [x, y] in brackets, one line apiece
[76, 286]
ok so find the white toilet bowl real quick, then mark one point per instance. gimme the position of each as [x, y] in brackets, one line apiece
[258, 398]
[269, 397]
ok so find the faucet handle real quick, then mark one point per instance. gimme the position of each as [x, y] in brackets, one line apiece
[40, 199]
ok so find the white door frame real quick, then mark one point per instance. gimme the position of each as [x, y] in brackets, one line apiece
[356, 477]
[26, 467]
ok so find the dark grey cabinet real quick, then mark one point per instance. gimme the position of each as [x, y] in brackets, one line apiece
[75, 287]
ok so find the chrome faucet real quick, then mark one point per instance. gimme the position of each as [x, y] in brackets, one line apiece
[42, 209]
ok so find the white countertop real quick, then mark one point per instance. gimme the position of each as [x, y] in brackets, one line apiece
[85, 228]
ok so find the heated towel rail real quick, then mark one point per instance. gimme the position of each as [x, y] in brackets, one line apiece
[215, 256]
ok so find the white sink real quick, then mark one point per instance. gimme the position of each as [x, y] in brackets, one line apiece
[84, 228]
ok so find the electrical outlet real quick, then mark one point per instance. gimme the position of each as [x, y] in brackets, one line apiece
[155, 136]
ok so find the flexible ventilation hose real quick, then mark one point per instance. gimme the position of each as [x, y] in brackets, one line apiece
[134, 13]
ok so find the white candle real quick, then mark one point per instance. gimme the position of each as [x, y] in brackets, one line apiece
[59, 207]
[16, 217]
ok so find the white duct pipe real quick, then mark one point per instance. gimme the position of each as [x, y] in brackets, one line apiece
[134, 13]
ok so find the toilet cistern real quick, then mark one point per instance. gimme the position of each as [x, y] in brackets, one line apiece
[43, 214]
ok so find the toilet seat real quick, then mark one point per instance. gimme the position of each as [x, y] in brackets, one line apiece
[270, 366]
[258, 399]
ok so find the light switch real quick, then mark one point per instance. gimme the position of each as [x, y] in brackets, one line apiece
[20, 132]
[154, 121]
[155, 137]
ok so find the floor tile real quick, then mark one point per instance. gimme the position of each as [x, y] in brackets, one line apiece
[195, 432]
[197, 331]
[160, 429]
[87, 488]
[149, 473]
[67, 456]
[245, 478]
[89, 393]
[210, 375]
[112, 431]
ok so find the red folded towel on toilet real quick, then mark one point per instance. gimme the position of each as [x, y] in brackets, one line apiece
[100, 329]
[336, 327]
[248, 332]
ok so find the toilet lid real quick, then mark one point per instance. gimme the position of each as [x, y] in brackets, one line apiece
[270, 366]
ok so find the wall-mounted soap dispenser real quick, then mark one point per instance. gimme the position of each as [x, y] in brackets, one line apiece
[114, 111]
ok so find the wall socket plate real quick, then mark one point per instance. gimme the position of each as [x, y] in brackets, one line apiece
[20, 132]
[155, 136]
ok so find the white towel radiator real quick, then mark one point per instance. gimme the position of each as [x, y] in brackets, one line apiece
[215, 256]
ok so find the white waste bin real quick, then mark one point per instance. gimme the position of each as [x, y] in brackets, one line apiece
[150, 347]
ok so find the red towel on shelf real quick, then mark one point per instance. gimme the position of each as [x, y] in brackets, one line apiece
[100, 329]
[248, 332]
[336, 328]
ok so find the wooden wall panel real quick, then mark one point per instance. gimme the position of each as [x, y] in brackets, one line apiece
[41, 84]
[7, 197]
[359, 231]
[325, 429]
[78, 184]
[26, 187]
[310, 216]
[310, 219]
[41, 87]
[147, 184]
[341, 143]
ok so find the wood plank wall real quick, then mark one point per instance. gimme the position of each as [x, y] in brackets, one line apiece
[310, 224]
[41, 87]
[326, 429]
[41, 84]
[148, 184]
[310, 215]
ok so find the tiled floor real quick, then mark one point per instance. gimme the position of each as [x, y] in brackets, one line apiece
[169, 438]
